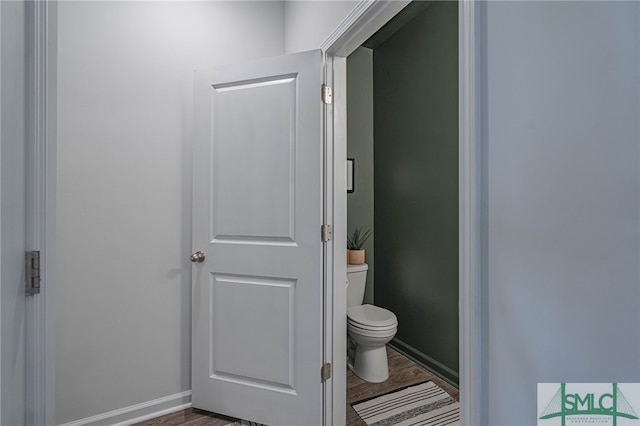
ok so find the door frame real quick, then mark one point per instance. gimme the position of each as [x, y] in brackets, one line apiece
[40, 204]
[367, 17]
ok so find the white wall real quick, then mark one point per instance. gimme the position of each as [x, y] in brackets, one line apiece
[563, 147]
[309, 23]
[123, 295]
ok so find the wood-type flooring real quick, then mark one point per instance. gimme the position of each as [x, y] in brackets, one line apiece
[402, 373]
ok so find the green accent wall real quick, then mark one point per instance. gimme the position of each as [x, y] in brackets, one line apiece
[360, 148]
[415, 74]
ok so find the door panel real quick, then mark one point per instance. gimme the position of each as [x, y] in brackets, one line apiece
[255, 361]
[258, 312]
[247, 162]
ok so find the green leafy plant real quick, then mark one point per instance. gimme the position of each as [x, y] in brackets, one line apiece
[357, 240]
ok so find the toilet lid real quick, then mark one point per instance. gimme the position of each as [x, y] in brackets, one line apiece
[372, 316]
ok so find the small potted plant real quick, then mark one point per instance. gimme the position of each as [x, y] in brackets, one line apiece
[355, 243]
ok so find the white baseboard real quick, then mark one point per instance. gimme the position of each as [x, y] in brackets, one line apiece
[139, 412]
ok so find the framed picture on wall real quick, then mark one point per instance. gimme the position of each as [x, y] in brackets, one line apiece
[350, 174]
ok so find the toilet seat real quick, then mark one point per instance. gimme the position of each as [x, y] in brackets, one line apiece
[363, 328]
[370, 317]
[372, 331]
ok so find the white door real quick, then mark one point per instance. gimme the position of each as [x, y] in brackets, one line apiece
[258, 194]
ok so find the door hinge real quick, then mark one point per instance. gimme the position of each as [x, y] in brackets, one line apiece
[33, 272]
[327, 94]
[325, 372]
[327, 232]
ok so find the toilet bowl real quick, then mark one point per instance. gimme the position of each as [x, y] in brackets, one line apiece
[369, 329]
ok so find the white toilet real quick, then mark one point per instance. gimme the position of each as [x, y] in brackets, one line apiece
[369, 329]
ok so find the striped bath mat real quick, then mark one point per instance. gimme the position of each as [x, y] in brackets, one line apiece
[423, 404]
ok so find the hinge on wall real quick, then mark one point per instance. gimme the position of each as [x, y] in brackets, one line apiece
[327, 233]
[33, 272]
[327, 94]
[325, 372]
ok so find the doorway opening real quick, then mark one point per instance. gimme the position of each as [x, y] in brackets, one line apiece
[402, 135]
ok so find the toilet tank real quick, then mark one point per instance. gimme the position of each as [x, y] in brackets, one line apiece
[356, 282]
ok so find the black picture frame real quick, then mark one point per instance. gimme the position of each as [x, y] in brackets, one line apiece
[351, 167]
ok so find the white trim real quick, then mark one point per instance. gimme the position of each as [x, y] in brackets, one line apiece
[154, 415]
[36, 353]
[138, 412]
[365, 19]
[469, 169]
[335, 272]
[49, 242]
[1, 210]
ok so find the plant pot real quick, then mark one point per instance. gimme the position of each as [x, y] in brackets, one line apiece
[356, 257]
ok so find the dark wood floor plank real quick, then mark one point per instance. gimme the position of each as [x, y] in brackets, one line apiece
[189, 417]
[402, 373]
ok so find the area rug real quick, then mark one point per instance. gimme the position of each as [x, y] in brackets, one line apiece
[423, 404]
[244, 423]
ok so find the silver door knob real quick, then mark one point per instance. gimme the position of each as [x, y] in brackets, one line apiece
[197, 257]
